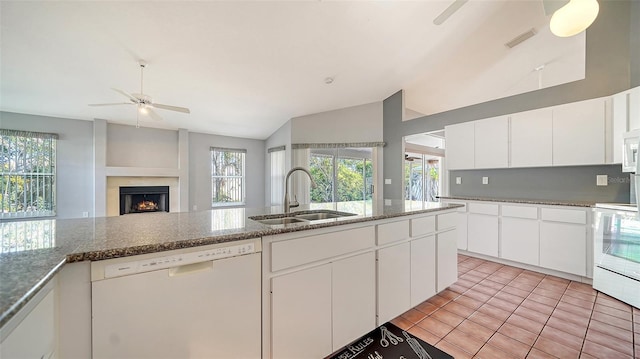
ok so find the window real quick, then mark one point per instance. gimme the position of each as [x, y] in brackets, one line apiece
[27, 174]
[343, 176]
[277, 159]
[227, 177]
[421, 179]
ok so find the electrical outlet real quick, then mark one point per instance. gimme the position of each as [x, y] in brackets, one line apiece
[195, 207]
[85, 214]
[458, 180]
[387, 202]
[387, 181]
[602, 180]
[485, 180]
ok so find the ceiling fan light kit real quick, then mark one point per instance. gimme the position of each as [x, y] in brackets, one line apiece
[144, 103]
[574, 17]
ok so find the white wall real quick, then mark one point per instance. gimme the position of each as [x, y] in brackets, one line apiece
[352, 124]
[128, 146]
[200, 168]
[74, 173]
[282, 137]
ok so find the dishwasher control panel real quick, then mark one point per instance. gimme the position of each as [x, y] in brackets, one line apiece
[176, 260]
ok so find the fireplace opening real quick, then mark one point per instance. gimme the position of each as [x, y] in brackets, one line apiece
[144, 199]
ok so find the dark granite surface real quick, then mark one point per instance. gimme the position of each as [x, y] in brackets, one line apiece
[33, 251]
[523, 201]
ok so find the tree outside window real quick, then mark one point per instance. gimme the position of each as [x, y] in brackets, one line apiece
[227, 177]
[27, 174]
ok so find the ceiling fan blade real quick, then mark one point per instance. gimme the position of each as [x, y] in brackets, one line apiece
[450, 10]
[154, 115]
[131, 97]
[171, 108]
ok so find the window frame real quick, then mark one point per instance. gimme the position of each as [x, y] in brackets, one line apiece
[242, 177]
[47, 179]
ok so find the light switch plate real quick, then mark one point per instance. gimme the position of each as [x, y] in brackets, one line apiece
[387, 202]
[602, 180]
[387, 181]
[458, 180]
[485, 180]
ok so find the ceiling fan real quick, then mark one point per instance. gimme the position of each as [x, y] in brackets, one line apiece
[144, 102]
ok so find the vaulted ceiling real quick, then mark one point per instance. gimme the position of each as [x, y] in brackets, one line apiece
[245, 68]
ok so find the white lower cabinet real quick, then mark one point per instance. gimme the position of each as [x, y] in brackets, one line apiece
[319, 310]
[35, 334]
[394, 281]
[563, 247]
[353, 296]
[482, 234]
[520, 240]
[447, 270]
[301, 314]
[423, 280]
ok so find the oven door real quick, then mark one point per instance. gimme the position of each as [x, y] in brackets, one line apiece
[617, 242]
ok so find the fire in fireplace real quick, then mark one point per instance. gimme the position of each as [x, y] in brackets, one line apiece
[143, 199]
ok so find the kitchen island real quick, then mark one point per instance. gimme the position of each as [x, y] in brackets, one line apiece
[34, 252]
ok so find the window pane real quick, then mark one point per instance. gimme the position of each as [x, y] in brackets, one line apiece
[227, 177]
[277, 159]
[321, 168]
[27, 176]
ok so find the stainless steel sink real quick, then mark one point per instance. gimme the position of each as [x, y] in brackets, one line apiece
[299, 217]
[276, 221]
[320, 214]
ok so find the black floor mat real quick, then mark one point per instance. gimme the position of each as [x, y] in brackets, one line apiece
[389, 341]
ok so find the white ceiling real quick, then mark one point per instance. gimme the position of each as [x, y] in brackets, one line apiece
[243, 68]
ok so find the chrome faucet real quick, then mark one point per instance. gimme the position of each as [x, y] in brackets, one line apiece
[287, 205]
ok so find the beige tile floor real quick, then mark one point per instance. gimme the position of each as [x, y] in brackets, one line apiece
[498, 311]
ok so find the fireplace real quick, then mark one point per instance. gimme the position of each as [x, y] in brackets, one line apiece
[144, 199]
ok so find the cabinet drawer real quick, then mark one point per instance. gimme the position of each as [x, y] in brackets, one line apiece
[520, 212]
[394, 231]
[447, 220]
[564, 215]
[424, 225]
[459, 209]
[483, 208]
[299, 251]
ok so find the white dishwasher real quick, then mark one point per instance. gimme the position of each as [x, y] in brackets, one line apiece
[201, 302]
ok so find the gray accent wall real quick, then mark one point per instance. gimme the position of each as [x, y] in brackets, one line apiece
[74, 170]
[612, 49]
[576, 183]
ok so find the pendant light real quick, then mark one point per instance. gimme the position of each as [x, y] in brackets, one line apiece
[574, 17]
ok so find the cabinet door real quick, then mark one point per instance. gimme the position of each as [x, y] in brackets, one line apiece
[461, 230]
[447, 259]
[492, 142]
[579, 133]
[634, 108]
[620, 123]
[460, 146]
[520, 240]
[563, 247]
[301, 314]
[482, 234]
[354, 298]
[531, 138]
[394, 283]
[423, 269]
[35, 336]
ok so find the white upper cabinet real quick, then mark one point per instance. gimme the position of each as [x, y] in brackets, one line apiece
[492, 142]
[531, 138]
[460, 146]
[634, 108]
[579, 133]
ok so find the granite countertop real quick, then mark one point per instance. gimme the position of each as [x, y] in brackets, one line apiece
[523, 201]
[33, 251]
